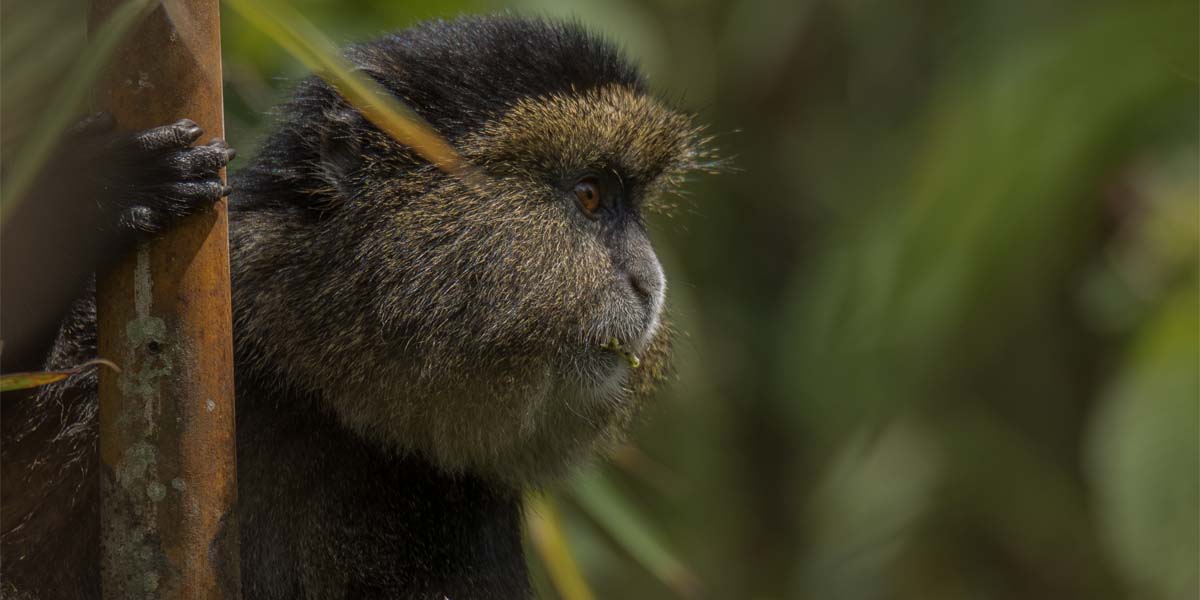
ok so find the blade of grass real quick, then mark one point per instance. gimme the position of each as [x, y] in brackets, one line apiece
[597, 496]
[545, 529]
[22, 381]
[303, 40]
[62, 108]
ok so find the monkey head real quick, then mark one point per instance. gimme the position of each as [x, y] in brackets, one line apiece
[489, 323]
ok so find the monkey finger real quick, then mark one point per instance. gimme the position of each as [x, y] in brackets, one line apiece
[142, 219]
[168, 137]
[189, 195]
[165, 205]
[183, 198]
[201, 161]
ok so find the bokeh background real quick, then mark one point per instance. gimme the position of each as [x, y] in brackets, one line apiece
[941, 320]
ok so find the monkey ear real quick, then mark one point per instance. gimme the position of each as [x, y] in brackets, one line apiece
[340, 150]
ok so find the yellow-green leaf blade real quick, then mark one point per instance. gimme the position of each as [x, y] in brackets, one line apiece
[546, 532]
[27, 380]
[304, 41]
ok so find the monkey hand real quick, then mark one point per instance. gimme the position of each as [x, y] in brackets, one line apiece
[100, 193]
[146, 181]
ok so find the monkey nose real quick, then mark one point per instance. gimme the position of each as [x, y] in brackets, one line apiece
[646, 286]
[644, 293]
[638, 270]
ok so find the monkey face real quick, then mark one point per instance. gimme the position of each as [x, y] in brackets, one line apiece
[474, 320]
[590, 164]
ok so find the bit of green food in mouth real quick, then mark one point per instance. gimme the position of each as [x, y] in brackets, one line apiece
[615, 345]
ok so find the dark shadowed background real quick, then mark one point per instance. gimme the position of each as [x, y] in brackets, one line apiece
[941, 332]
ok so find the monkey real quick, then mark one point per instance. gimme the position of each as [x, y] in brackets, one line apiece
[413, 349]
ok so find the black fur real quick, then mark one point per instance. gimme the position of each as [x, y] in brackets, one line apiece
[325, 514]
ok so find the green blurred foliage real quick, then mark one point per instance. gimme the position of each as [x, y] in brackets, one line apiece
[941, 334]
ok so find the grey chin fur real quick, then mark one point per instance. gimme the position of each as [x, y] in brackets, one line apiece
[525, 424]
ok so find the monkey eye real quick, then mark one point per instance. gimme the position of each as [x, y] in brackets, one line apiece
[589, 195]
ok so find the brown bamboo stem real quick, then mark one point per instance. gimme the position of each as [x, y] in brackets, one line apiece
[168, 480]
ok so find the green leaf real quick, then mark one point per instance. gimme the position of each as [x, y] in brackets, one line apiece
[601, 501]
[546, 531]
[1145, 451]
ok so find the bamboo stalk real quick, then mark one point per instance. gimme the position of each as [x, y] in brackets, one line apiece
[168, 479]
